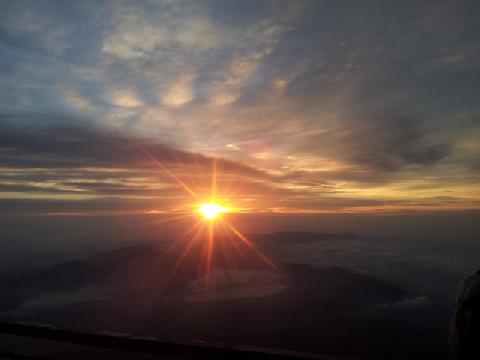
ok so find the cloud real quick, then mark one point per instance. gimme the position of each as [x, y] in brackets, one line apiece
[239, 72]
[408, 303]
[125, 98]
[199, 33]
[29, 22]
[138, 33]
[55, 142]
[73, 98]
[180, 92]
[133, 35]
[134, 40]
[43, 155]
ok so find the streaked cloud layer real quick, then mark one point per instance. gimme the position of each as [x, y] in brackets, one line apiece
[309, 106]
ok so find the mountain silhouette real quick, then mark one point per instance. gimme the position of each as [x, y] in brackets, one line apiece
[299, 307]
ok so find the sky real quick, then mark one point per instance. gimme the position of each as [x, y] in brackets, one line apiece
[297, 106]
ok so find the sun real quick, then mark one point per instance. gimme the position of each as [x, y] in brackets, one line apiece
[209, 225]
[211, 210]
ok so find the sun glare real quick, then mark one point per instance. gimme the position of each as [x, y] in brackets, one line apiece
[211, 210]
[209, 229]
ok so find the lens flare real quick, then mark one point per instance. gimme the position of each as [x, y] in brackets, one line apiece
[204, 232]
[211, 210]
